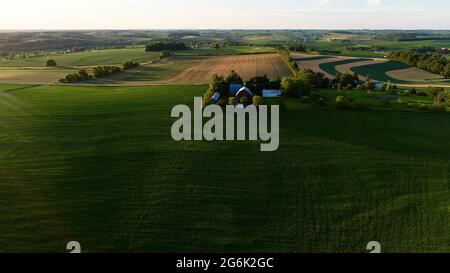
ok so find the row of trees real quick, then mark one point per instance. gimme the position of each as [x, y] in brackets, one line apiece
[130, 64]
[160, 46]
[434, 63]
[97, 72]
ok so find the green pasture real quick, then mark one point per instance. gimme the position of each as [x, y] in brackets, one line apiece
[98, 165]
[88, 58]
[229, 50]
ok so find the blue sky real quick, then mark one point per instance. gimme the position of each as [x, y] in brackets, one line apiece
[237, 14]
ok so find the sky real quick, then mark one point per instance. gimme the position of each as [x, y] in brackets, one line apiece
[220, 14]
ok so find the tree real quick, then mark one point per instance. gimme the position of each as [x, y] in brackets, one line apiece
[130, 64]
[437, 94]
[218, 84]
[165, 54]
[51, 63]
[296, 87]
[233, 77]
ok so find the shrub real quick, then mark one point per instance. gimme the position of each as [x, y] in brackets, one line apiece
[295, 87]
[232, 101]
[222, 102]
[342, 102]
[244, 100]
[130, 64]
[447, 102]
[51, 63]
[207, 96]
[165, 54]
[105, 70]
[82, 75]
[258, 100]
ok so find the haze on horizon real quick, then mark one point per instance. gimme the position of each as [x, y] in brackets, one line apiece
[220, 14]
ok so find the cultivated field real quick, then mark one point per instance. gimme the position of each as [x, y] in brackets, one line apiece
[330, 67]
[414, 74]
[98, 165]
[32, 75]
[350, 67]
[245, 65]
[316, 64]
[88, 58]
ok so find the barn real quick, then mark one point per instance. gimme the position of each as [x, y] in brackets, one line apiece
[244, 92]
[234, 88]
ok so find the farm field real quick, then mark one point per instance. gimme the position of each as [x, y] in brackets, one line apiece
[330, 67]
[228, 50]
[378, 70]
[158, 73]
[41, 75]
[88, 58]
[98, 164]
[316, 63]
[245, 65]
[415, 74]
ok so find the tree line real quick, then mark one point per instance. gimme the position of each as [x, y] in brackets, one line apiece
[160, 46]
[432, 62]
[98, 72]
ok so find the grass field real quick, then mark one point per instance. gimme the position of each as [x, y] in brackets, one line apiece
[229, 50]
[37, 75]
[98, 165]
[88, 58]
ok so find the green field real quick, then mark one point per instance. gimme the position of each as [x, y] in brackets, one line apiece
[98, 165]
[88, 58]
[153, 73]
[330, 68]
[229, 50]
[378, 71]
[36, 75]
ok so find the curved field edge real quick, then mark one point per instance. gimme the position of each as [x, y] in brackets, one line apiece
[98, 164]
[330, 68]
[378, 71]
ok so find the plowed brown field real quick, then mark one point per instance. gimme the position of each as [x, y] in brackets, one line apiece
[247, 66]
